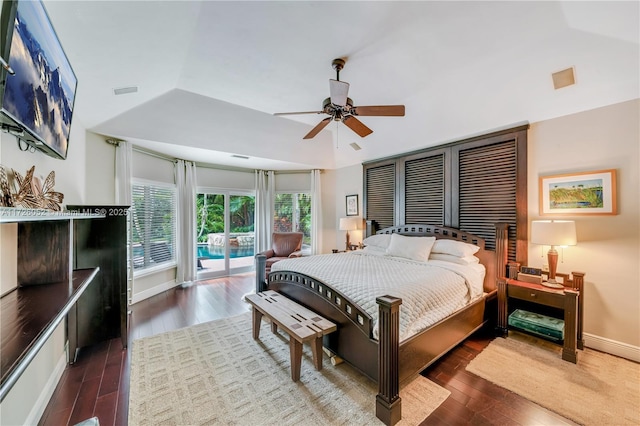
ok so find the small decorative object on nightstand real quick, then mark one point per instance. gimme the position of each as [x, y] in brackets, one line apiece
[553, 233]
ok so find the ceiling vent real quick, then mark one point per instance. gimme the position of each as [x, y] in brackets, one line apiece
[563, 78]
[125, 90]
[355, 146]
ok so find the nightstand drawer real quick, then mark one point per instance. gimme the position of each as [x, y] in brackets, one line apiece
[555, 300]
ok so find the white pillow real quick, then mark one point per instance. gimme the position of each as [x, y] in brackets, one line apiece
[454, 248]
[376, 251]
[415, 248]
[466, 260]
[378, 240]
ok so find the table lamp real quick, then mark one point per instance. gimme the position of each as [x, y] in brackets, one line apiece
[348, 224]
[553, 233]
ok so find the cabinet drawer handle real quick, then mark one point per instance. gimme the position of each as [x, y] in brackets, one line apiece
[533, 295]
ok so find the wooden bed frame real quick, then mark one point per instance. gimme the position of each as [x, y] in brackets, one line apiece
[385, 360]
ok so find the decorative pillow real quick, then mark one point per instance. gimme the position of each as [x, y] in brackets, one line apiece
[377, 251]
[454, 248]
[415, 248]
[466, 260]
[378, 240]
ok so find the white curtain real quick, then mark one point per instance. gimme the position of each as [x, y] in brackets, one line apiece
[316, 213]
[123, 173]
[185, 176]
[265, 199]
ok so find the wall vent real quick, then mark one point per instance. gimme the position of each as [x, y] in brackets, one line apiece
[563, 78]
[125, 90]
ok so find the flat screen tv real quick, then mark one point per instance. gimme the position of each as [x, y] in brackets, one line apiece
[38, 97]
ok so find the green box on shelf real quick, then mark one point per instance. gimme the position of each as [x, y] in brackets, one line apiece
[542, 325]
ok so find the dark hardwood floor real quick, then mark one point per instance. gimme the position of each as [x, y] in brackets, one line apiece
[98, 383]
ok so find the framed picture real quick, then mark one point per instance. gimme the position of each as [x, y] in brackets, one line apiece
[588, 193]
[352, 205]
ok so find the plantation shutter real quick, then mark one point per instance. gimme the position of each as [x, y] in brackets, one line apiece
[153, 221]
[487, 191]
[380, 191]
[424, 190]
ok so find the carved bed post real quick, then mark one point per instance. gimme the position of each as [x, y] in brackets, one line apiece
[578, 284]
[501, 327]
[370, 228]
[502, 254]
[388, 402]
[502, 249]
[261, 265]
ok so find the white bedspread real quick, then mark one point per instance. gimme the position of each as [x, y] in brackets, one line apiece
[430, 291]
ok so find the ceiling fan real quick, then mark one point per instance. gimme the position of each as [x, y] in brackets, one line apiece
[339, 107]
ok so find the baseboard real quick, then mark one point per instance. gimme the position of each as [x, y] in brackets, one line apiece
[612, 347]
[45, 395]
[137, 297]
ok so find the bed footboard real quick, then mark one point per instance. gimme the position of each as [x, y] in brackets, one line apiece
[388, 401]
[261, 267]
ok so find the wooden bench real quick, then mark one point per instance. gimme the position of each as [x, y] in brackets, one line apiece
[301, 324]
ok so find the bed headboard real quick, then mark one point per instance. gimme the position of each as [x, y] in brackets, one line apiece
[493, 261]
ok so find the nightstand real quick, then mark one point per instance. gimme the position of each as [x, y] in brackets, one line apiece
[566, 303]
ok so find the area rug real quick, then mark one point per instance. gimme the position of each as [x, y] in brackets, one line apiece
[215, 373]
[600, 389]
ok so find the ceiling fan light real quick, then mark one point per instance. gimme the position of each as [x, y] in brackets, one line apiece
[338, 90]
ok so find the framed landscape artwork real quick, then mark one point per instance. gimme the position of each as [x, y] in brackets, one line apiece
[587, 193]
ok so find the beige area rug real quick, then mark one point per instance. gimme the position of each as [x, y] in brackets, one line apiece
[600, 390]
[215, 373]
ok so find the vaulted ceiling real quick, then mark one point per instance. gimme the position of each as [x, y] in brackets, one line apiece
[210, 74]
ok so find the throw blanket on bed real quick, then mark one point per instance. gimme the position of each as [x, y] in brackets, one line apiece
[430, 291]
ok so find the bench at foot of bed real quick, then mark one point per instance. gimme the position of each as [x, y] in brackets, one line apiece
[301, 324]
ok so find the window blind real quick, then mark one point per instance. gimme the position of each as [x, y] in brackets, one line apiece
[153, 222]
[380, 192]
[424, 190]
[487, 191]
[470, 184]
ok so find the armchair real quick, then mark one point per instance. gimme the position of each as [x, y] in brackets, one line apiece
[284, 245]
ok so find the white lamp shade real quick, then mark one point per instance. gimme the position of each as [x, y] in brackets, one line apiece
[553, 232]
[348, 223]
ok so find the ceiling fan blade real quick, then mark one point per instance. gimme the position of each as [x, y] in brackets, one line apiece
[338, 91]
[356, 125]
[321, 125]
[300, 112]
[380, 110]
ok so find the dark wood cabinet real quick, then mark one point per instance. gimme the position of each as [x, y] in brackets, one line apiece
[44, 289]
[102, 242]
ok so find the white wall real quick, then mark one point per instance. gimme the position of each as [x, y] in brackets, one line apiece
[349, 182]
[225, 179]
[328, 225]
[69, 173]
[100, 161]
[608, 249]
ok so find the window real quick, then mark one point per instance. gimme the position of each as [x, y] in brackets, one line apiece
[153, 223]
[292, 213]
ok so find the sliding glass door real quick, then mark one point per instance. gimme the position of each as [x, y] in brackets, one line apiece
[225, 232]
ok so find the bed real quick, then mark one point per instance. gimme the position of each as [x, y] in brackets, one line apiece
[383, 344]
